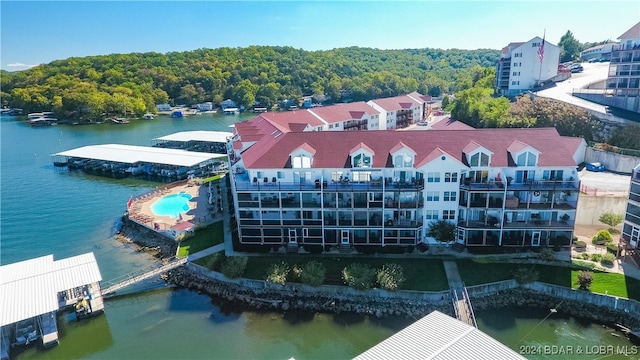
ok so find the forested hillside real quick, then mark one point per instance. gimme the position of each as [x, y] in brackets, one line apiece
[89, 88]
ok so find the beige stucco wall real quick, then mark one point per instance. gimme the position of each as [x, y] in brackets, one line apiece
[591, 207]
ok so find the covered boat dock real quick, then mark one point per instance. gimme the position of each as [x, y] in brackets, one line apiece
[120, 161]
[32, 291]
[202, 141]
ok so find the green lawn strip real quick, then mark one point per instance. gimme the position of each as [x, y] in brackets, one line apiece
[207, 260]
[421, 274]
[203, 239]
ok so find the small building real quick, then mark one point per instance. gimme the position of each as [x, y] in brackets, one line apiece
[522, 66]
[439, 336]
[228, 104]
[163, 107]
[33, 291]
[598, 52]
[631, 227]
[206, 106]
[182, 230]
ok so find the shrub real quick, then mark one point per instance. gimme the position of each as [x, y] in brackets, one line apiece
[390, 277]
[525, 276]
[611, 219]
[547, 255]
[215, 261]
[585, 279]
[278, 273]
[583, 264]
[358, 276]
[585, 256]
[313, 273]
[579, 244]
[234, 266]
[607, 259]
[602, 237]
[612, 248]
[442, 231]
[596, 257]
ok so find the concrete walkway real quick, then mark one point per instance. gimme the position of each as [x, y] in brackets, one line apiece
[453, 275]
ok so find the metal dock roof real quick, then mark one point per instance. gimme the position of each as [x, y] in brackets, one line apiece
[130, 154]
[208, 136]
[439, 336]
[30, 288]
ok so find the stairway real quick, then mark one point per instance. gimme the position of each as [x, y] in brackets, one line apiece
[292, 248]
[458, 247]
[345, 249]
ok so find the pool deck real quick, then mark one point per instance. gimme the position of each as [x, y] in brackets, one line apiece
[200, 210]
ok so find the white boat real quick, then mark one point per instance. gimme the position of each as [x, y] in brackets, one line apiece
[230, 111]
[43, 121]
[120, 121]
[148, 116]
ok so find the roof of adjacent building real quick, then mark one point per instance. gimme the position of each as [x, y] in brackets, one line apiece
[450, 124]
[30, 288]
[209, 136]
[401, 102]
[334, 148]
[633, 33]
[130, 154]
[439, 336]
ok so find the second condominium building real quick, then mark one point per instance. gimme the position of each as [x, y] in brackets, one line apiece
[500, 187]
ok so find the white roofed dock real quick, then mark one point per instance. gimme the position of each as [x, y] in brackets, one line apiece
[203, 141]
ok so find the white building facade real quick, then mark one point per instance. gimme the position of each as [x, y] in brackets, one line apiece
[520, 69]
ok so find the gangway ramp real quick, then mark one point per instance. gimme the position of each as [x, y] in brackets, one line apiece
[135, 277]
[462, 306]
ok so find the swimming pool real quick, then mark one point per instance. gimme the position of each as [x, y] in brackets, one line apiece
[172, 205]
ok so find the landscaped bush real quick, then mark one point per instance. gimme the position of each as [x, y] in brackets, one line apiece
[585, 256]
[278, 273]
[524, 275]
[579, 244]
[359, 276]
[234, 266]
[547, 255]
[215, 261]
[612, 248]
[585, 279]
[583, 264]
[596, 257]
[602, 237]
[390, 277]
[607, 259]
[313, 273]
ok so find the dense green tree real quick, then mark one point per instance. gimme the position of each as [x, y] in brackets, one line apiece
[570, 47]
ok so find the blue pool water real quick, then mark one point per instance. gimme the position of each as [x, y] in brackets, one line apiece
[172, 205]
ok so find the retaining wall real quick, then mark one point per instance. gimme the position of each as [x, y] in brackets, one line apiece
[612, 161]
[591, 207]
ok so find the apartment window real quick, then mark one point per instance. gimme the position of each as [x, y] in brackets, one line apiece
[259, 174]
[526, 159]
[431, 214]
[336, 175]
[517, 55]
[516, 73]
[515, 83]
[448, 214]
[362, 160]
[330, 126]
[479, 159]
[449, 196]
[280, 175]
[301, 161]
[535, 44]
[450, 177]
[433, 196]
[433, 177]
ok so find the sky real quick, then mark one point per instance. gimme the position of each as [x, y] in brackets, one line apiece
[33, 33]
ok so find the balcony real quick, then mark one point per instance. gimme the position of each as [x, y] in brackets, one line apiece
[355, 125]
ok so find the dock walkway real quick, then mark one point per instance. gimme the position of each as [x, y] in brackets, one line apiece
[459, 296]
[141, 275]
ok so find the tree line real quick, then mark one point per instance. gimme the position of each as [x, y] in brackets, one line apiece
[88, 88]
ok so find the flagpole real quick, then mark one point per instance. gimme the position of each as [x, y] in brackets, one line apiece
[544, 34]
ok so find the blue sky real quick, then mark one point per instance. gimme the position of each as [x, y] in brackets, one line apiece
[39, 32]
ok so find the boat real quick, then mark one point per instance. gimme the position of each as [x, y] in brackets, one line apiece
[119, 121]
[231, 111]
[177, 114]
[148, 116]
[42, 121]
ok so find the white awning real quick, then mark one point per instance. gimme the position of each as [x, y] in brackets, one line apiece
[208, 136]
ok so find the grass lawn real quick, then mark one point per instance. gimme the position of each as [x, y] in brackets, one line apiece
[203, 239]
[421, 274]
[205, 261]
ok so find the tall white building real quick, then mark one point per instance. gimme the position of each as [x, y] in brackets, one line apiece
[520, 67]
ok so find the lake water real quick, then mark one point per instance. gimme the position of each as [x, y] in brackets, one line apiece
[49, 211]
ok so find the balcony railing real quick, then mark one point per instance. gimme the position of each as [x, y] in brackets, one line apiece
[497, 185]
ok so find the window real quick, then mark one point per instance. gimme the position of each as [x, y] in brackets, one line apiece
[431, 214]
[516, 73]
[448, 214]
[336, 175]
[405, 160]
[526, 159]
[535, 44]
[362, 160]
[449, 196]
[280, 175]
[433, 177]
[450, 177]
[433, 196]
[479, 159]
[517, 55]
[301, 161]
[515, 83]
[330, 126]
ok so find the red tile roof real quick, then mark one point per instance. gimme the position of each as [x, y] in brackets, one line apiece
[344, 112]
[450, 124]
[333, 148]
[397, 102]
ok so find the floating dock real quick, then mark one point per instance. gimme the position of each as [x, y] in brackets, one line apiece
[33, 291]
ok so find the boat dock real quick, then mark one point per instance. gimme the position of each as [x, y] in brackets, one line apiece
[136, 277]
[33, 291]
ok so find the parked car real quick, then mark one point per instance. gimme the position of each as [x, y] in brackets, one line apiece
[576, 68]
[423, 123]
[595, 166]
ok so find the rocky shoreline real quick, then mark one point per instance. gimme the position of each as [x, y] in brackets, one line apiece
[289, 299]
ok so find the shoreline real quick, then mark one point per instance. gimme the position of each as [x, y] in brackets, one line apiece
[290, 299]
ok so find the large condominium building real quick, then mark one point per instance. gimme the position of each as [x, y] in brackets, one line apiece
[623, 82]
[631, 226]
[523, 66]
[501, 187]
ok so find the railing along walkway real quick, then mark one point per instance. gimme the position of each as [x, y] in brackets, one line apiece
[462, 306]
[138, 276]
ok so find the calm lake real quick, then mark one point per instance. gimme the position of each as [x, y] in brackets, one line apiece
[46, 210]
